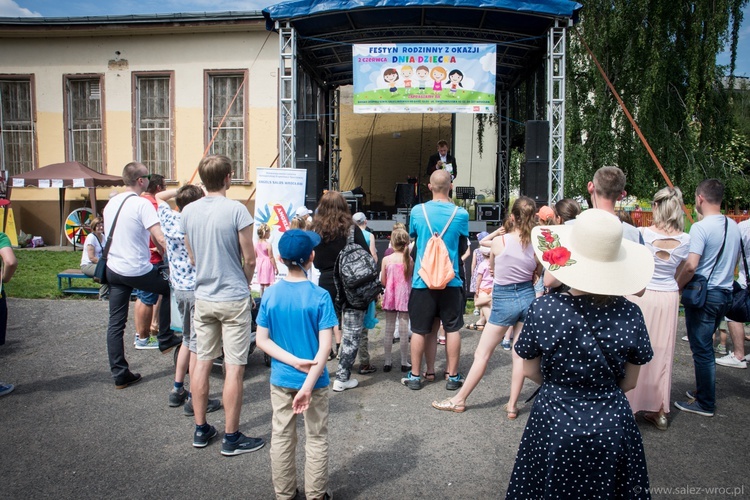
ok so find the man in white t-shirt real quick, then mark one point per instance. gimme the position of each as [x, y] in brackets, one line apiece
[128, 267]
[606, 189]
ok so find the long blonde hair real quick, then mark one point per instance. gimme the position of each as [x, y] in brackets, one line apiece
[667, 209]
[523, 219]
[400, 242]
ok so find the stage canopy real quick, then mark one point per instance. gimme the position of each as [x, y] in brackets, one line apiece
[327, 28]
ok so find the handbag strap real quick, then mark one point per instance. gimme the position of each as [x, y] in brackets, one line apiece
[105, 251]
[721, 251]
[744, 262]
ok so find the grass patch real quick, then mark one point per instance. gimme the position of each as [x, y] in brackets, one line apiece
[36, 276]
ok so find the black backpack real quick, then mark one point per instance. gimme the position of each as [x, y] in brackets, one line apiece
[356, 275]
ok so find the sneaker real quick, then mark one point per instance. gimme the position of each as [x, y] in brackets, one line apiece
[730, 361]
[244, 444]
[747, 358]
[476, 312]
[201, 439]
[149, 343]
[693, 407]
[685, 339]
[720, 349]
[690, 395]
[176, 398]
[170, 344]
[128, 379]
[367, 369]
[506, 344]
[339, 386]
[213, 405]
[455, 382]
[412, 382]
[6, 388]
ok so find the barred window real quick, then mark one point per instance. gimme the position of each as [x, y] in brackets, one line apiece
[153, 124]
[17, 148]
[85, 128]
[230, 139]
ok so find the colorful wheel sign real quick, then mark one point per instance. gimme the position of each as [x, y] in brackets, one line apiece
[78, 225]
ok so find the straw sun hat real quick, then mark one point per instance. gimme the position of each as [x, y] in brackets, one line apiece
[591, 256]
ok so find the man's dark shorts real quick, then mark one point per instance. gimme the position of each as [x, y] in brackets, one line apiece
[425, 305]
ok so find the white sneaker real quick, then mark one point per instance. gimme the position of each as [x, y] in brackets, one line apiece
[685, 339]
[747, 358]
[476, 312]
[730, 361]
[339, 386]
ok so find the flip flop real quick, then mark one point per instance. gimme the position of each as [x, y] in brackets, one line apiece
[475, 326]
[447, 405]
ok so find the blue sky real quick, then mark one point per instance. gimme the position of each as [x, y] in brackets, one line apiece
[66, 8]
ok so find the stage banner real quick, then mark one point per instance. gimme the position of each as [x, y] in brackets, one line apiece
[424, 78]
[280, 191]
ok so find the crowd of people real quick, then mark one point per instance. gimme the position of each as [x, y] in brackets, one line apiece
[586, 304]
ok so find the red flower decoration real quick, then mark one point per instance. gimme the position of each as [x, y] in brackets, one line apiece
[557, 255]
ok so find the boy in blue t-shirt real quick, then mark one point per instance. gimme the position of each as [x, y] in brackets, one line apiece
[295, 323]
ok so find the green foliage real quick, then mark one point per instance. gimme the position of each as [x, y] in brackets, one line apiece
[660, 56]
[36, 276]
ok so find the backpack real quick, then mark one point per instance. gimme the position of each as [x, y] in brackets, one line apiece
[436, 268]
[356, 275]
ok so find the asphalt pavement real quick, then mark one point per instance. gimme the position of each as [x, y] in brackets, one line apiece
[67, 433]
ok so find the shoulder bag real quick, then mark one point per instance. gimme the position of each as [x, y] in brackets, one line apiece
[694, 293]
[100, 273]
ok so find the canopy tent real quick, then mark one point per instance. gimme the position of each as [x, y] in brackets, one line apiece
[327, 28]
[62, 176]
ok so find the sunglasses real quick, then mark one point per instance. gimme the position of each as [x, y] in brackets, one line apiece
[148, 176]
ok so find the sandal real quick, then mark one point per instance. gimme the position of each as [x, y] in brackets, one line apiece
[448, 405]
[428, 377]
[367, 369]
[441, 341]
[512, 412]
[475, 326]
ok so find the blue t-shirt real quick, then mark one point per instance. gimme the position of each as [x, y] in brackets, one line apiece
[706, 237]
[294, 313]
[438, 214]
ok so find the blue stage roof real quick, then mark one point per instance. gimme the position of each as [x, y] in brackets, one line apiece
[326, 29]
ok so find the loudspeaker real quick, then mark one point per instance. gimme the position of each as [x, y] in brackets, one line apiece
[537, 140]
[315, 181]
[405, 195]
[534, 180]
[307, 140]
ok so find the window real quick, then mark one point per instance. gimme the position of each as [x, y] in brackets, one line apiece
[154, 146]
[84, 122]
[17, 147]
[226, 95]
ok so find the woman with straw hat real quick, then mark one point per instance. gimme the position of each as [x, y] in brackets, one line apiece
[584, 347]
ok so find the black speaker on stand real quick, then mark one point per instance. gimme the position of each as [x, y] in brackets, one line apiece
[306, 140]
[535, 171]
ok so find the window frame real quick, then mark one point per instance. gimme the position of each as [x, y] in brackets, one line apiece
[207, 132]
[67, 78]
[30, 78]
[136, 77]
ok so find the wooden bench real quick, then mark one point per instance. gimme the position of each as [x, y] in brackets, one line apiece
[73, 274]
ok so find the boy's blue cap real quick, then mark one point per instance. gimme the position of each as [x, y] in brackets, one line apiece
[296, 245]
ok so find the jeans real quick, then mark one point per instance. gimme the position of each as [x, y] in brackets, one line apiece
[701, 325]
[351, 332]
[121, 287]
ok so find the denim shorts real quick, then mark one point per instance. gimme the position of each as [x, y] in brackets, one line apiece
[148, 298]
[510, 303]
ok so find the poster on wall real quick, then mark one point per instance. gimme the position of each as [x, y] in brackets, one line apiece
[280, 191]
[424, 78]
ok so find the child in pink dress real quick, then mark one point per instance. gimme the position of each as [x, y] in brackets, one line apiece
[265, 265]
[396, 277]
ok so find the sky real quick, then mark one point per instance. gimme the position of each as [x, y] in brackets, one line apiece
[67, 8]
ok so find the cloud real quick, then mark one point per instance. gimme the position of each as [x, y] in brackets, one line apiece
[9, 8]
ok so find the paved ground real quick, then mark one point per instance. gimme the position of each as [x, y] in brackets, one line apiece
[67, 433]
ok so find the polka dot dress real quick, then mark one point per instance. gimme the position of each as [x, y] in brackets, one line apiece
[581, 440]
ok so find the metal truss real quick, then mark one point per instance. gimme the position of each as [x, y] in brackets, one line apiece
[556, 109]
[334, 124]
[502, 193]
[287, 94]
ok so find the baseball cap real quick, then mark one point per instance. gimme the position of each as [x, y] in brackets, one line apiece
[545, 213]
[302, 211]
[359, 218]
[296, 245]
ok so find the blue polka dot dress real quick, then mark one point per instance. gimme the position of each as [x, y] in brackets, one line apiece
[581, 439]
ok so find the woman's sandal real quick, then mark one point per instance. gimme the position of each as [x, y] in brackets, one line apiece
[428, 377]
[475, 326]
[512, 412]
[448, 405]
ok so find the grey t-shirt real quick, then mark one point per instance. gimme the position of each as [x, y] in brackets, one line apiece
[211, 225]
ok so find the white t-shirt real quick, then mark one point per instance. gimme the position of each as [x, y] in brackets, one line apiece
[91, 240]
[129, 254]
[664, 269]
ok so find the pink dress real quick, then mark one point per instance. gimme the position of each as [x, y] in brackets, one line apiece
[263, 264]
[397, 288]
